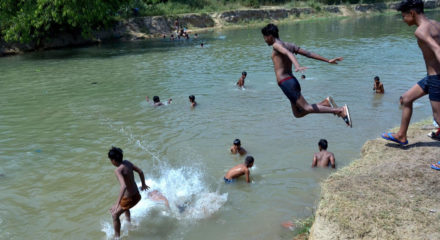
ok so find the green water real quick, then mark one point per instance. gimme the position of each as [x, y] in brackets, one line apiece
[56, 128]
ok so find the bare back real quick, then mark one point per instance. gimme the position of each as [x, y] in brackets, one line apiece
[324, 159]
[126, 170]
[428, 39]
[282, 64]
[237, 171]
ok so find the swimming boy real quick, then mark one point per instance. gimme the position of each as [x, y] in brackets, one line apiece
[378, 86]
[240, 81]
[236, 148]
[129, 194]
[192, 100]
[240, 170]
[428, 39]
[157, 196]
[283, 58]
[323, 158]
[157, 102]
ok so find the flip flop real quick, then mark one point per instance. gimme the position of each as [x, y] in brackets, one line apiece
[389, 137]
[434, 136]
[347, 119]
[435, 167]
[332, 102]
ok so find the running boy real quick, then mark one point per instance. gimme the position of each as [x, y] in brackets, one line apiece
[283, 58]
[240, 170]
[428, 39]
[378, 86]
[240, 81]
[129, 194]
[323, 158]
[236, 148]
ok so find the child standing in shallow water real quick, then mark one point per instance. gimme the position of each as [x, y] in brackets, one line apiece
[129, 194]
[323, 158]
[240, 170]
[236, 148]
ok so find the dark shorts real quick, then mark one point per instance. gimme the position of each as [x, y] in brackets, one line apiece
[431, 85]
[291, 88]
[228, 180]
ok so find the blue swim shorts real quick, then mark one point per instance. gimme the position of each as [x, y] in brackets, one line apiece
[431, 85]
[291, 88]
[228, 180]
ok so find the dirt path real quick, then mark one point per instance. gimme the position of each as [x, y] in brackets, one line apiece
[390, 193]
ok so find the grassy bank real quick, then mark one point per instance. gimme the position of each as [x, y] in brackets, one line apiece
[390, 193]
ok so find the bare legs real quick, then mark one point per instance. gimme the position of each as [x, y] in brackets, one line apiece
[407, 100]
[117, 221]
[302, 108]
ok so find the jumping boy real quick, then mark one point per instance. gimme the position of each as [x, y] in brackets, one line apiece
[236, 147]
[378, 86]
[157, 102]
[240, 82]
[129, 194]
[240, 170]
[283, 58]
[192, 100]
[323, 158]
[428, 39]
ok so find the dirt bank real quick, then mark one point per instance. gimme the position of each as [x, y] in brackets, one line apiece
[389, 193]
[148, 27]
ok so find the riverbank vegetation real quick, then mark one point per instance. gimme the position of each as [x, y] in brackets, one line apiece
[28, 21]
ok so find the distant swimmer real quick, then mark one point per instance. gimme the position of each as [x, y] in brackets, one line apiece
[157, 196]
[129, 194]
[428, 39]
[236, 147]
[157, 102]
[283, 57]
[201, 45]
[323, 158]
[303, 77]
[240, 81]
[192, 100]
[240, 170]
[378, 86]
[196, 36]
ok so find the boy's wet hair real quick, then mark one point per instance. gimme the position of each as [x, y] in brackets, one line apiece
[323, 144]
[249, 160]
[156, 99]
[408, 5]
[237, 142]
[244, 73]
[376, 78]
[192, 98]
[270, 30]
[303, 76]
[116, 154]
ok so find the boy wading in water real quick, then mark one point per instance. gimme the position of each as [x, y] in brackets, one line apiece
[323, 158]
[428, 39]
[283, 58]
[129, 194]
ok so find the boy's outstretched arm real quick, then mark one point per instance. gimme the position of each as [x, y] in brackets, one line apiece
[281, 49]
[315, 161]
[333, 161]
[141, 176]
[248, 179]
[122, 190]
[319, 57]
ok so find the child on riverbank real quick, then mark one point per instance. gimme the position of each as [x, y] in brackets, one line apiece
[323, 158]
[129, 194]
[283, 58]
[240, 170]
[428, 39]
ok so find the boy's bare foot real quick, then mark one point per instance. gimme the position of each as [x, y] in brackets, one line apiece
[345, 115]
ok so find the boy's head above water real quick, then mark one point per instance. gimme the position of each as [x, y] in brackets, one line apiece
[244, 73]
[192, 98]
[270, 33]
[376, 79]
[323, 144]
[249, 161]
[115, 155]
[156, 99]
[237, 142]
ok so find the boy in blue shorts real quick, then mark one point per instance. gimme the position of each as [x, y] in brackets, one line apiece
[283, 57]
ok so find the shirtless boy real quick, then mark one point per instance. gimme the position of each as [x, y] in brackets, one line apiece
[428, 39]
[157, 102]
[240, 82]
[323, 158]
[378, 86]
[283, 57]
[240, 170]
[236, 148]
[192, 100]
[129, 194]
